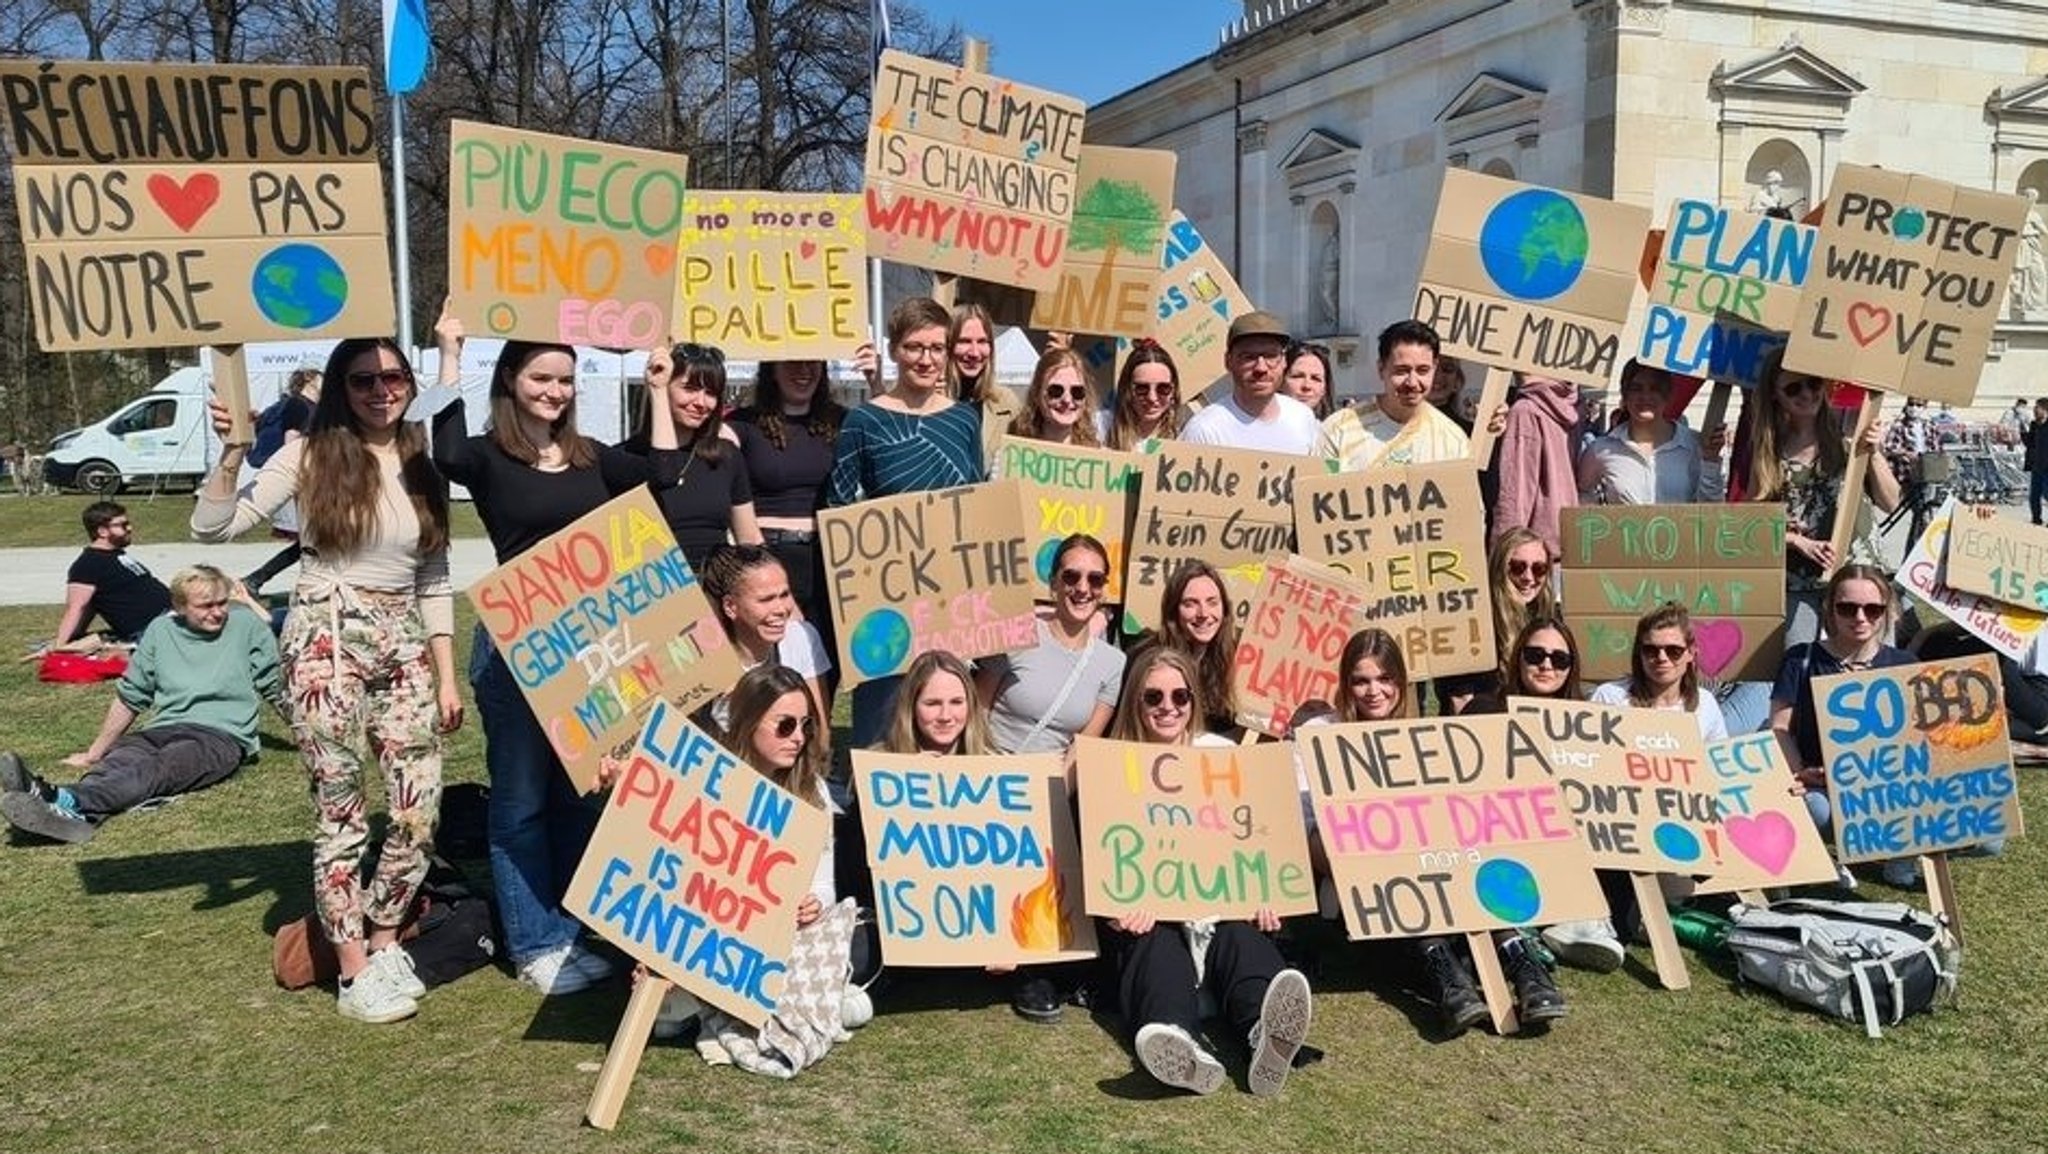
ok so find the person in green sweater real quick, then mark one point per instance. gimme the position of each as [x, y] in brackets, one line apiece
[205, 668]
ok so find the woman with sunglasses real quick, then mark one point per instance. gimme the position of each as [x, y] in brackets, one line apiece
[1198, 620]
[700, 479]
[786, 438]
[1664, 672]
[1650, 459]
[911, 439]
[1375, 688]
[1307, 377]
[1860, 608]
[1147, 398]
[1163, 968]
[971, 374]
[1518, 575]
[1799, 455]
[1040, 699]
[367, 649]
[1059, 406]
[530, 475]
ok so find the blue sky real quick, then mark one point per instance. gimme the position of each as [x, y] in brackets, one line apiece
[1091, 49]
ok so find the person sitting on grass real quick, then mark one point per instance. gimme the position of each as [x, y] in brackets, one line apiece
[204, 668]
[106, 582]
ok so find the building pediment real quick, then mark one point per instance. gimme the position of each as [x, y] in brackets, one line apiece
[2019, 114]
[1492, 112]
[1319, 160]
[1793, 72]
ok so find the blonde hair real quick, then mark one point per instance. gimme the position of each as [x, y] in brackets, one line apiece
[1766, 476]
[1130, 709]
[902, 735]
[192, 577]
[1030, 419]
[1510, 615]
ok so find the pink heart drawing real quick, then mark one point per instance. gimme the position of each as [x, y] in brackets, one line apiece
[1720, 643]
[1767, 839]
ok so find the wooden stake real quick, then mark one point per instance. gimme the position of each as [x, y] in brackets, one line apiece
[1717, 407]
[1492, 395]
[1941, 891]
[622, 1060]
[231, 386]
[945, 286]
[1493, 982]
[1851, 501]
[1671, 972]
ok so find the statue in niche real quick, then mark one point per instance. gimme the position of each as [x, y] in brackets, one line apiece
[1328, 273]
[1770, 194]
[2029, 289]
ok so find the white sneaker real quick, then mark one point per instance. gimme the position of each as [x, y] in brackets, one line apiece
[1589, 945]
[372, 998]
[551, 973]
[678, 1009]
[398, 971]
[1173, 1057]
[1844, 880]
[856, 1009]
[1282, 1028]
[589, 963]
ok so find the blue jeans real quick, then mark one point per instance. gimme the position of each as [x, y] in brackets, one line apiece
[539, 825]
[1746, 706]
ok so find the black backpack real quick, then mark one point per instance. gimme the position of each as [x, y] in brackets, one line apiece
[458, 927]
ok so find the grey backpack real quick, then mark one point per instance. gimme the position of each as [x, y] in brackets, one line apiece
[1873, 962]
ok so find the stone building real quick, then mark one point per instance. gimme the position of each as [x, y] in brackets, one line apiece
[1312, 142]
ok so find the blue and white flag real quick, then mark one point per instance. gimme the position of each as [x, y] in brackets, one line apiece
[407, 48]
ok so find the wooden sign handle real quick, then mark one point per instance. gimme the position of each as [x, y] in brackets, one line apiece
[1671, 972]
[622, 1059]
[1941, 892]
[1717, 407]
[1493, 982]
[1492, 395]
[945, 286]
[231, 386]
[1851, 501]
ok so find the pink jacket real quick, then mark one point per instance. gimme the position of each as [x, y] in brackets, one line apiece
[1537, 477]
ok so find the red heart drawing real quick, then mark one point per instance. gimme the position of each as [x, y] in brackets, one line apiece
[1877, 317]
[1720, 643]
[660, 258]
[1767, 839]
[807, 249]
[185, 204]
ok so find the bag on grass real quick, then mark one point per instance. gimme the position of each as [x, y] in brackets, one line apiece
[453, 932]
[64, 667]
[1874, 962]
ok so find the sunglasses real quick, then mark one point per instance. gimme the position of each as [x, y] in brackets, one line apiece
[1535, 657]
[1062, 392]
[1868, 610]
[1154, 698]
[787, 725]
[1798, 385]
[1152, 388]
[1536, 569]
[1667, 652]
[1075, 578]
[702, 354]
[386, 379]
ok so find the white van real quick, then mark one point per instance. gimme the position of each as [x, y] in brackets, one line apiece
[160, 438]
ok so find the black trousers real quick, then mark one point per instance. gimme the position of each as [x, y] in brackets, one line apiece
[1156, 975]
[157, 762]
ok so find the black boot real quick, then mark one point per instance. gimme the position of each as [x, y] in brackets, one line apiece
[1536, 991]
[1457, 998]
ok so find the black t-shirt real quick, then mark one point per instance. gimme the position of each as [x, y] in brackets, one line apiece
[697, 496]
[1802, 664]
[124, 592]
[789, 481]
[520, 505]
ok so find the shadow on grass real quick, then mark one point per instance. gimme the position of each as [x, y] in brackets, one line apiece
[226, 875]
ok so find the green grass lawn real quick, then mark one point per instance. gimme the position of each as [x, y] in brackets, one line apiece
[139, 1015]
[52, 519]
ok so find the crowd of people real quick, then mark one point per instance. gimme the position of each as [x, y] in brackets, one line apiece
[364, 668]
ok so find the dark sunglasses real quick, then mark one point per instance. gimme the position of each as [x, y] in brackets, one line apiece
[1152, 388]
[1868, 610]
[1535, 656]
[386, 379]
[702, 354]
[1154, 698]
[787, 725]
[1536, 569]
[1076, 577]
[1798, 385]
[1062, 392]
[1667, 652]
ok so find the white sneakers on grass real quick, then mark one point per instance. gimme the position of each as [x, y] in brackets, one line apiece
[1282, 1028]
[1169, 1054]
[386, 990]
[566, 969]
[1589, 945]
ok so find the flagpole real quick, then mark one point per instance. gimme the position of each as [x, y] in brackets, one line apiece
[878, 17]
[400, 228]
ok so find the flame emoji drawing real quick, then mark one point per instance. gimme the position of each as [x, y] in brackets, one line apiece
[1962, 736]
[1036, 922]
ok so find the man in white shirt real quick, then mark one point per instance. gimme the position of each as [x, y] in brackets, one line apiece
[1256, 414]
[1399, 426]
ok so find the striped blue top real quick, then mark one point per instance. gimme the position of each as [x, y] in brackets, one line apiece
[880, 452]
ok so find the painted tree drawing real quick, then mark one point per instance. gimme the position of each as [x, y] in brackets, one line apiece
[1115, 216]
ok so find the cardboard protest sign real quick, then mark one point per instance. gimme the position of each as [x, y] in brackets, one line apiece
[970, 173]
[600, 622]
[1918, 758]
[1997, 556]
[1911, 273]
[1530, 278]
[1228, 507]
[551, 238]
[166, 205]
[698, 865]
[1183, 832]
[2008, 629]
[1069, 489]
[1636, 780]
[1725, 291]
[1413, 541]
[1444, 826]
[1769, 840]
[949, 569]
[1197, 299]
[1724, 563]
[976, 859]
[1110, 279]
[772, 276]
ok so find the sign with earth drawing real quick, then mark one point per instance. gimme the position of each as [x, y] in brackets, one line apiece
[130, 243]
[1530, 278]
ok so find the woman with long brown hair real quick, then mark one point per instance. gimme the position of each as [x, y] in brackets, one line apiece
[786, 437]
[367, 650]
[1198, 619]
[1148, 401]
[700, 482]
